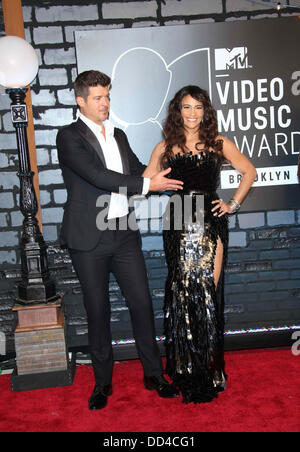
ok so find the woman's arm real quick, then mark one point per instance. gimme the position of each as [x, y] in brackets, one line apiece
[154, 165]
[245, 167]
[159, 182]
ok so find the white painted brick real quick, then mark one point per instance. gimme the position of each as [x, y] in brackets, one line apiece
[233, 19]
[74, 73]
[50, 233]
[174, 22]
[52, 215]
[27, 35]
[8, 141]
[49, 177]
[130, 10]
[144, 24]
[281, 217]
[4, 220]
[202, 21]
[246, 5]
[13, 159]
[191, 7]
[8, 257]
[10, 238]
[292, 12]
[66, 96]
[16, 218]
[45, 137]
[152, 243]
[265, 16]
[4, 162]
[54, 157]
[251, 220]
[69, 31]
[53, 77]
[6, 200]
[43, 98]
[4, 99]
[7, 123]
[60, 196]
[67, 13]
[42, 156]
[60, 56]
[45, 197]
[55, 117]
[237, 239]
[47, 35]
[232, 222]
[27, 13]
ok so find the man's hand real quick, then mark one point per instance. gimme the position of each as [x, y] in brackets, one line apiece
[161, 183]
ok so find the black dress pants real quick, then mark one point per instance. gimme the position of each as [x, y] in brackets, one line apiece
[120, 252]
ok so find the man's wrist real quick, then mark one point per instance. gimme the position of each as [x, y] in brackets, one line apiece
[146, 186]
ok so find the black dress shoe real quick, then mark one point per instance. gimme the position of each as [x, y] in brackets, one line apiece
[98, 399]
[161, 385]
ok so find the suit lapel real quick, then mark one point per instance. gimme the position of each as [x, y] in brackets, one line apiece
[89, 136]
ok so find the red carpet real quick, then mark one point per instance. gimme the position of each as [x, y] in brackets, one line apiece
[263, 395]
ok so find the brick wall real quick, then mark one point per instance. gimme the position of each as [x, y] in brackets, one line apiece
[263, 271]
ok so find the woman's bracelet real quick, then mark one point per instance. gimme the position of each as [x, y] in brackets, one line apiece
[234, 205]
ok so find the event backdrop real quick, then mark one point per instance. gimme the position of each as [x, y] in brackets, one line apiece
[251, 71]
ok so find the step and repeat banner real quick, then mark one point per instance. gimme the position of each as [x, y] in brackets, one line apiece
[251, 71]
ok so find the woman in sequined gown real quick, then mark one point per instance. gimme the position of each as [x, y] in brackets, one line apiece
[196, 241]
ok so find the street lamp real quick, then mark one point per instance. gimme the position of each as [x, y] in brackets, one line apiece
[18, 68]
[40, 323]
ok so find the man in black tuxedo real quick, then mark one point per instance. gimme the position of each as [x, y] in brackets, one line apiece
[97, 161]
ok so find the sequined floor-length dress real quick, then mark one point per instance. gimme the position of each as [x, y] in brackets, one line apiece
[193, 306]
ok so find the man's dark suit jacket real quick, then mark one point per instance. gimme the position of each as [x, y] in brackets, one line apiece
[87, 177]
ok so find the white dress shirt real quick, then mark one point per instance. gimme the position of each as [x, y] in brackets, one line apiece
[118, 206]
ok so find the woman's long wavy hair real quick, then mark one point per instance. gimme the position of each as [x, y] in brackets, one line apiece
[173, 127]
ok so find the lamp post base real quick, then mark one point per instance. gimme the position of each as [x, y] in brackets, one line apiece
[35, 294]
[43, 380]
[42, 358]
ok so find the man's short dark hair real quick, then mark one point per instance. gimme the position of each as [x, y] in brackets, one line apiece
[87, 79]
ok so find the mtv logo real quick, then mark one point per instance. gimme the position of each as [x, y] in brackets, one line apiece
[236, 58]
